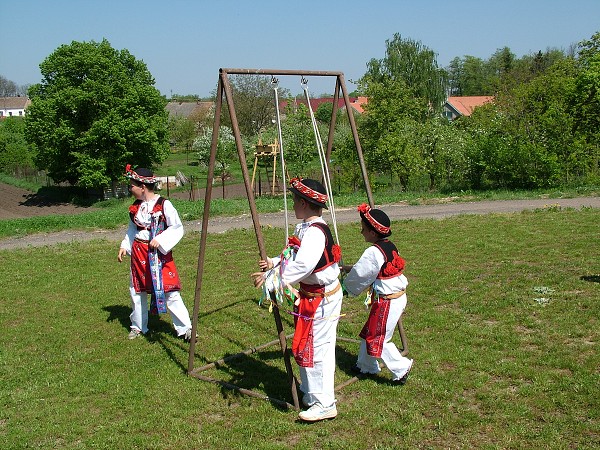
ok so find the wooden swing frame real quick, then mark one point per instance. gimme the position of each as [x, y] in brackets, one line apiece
[224, 87]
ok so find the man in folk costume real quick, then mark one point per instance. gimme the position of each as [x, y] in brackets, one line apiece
[380, 268]
[317, 309]
[154, 229]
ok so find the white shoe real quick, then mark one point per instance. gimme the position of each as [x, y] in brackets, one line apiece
[316, 412]
[134, 333]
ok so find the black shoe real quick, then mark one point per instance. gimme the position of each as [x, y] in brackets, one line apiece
[402, 381]
[355, 369]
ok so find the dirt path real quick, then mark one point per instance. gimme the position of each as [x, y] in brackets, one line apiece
[222, 224]
[17, 203]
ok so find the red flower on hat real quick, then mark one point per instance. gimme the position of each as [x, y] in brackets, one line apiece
[364, 208]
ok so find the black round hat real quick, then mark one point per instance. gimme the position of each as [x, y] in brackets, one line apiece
[375, 219]
[310, 190]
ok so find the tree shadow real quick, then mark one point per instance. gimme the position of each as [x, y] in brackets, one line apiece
[590, 278]
[48, 196]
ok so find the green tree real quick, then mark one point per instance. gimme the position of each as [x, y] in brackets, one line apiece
[586, 99]
[323, 112]
[254, 102]
[416, 65]
[387, 126]
[226, 151]
[95, 110]
[525, 139]
[16, 155]
[182, 132]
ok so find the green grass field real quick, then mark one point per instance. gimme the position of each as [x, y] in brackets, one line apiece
[502, 321]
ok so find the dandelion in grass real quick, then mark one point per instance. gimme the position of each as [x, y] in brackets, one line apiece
[543, 290]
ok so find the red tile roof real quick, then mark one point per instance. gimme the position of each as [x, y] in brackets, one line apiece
[316, 102]
[358, 104]
[465, 105]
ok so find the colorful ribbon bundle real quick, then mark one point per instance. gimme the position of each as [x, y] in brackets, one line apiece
[158, 304]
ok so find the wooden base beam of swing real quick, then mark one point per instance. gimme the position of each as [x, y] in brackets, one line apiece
[196, 373]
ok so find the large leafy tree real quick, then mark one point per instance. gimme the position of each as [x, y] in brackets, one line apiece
[586, 101]
[525, 139]
[406, 89]
[95, 110]
[15, 154]
[253, 99]
[416, 65]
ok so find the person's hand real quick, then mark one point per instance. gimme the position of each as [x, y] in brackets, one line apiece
[153, 244]
[122, 252]
[265, 264]
[259, 279]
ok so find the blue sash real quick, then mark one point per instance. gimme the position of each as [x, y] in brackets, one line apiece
[158, 304]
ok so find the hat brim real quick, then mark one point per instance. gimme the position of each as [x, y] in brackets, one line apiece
[372, 228]
[308, 199]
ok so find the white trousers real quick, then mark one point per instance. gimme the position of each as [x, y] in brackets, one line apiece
[139, 314]
[318, 382]
[390, 355]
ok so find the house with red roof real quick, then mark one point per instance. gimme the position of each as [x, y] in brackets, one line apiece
[316, 102]
[456, 107]
[13, 106]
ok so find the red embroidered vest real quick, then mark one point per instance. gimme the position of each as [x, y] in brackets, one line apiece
[332, 253]
[158, 206]
[394, 263]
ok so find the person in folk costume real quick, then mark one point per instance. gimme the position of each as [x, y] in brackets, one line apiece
[318, 306]
[380, 268]
[154, 229]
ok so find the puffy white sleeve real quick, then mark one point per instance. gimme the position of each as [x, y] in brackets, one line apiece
[174, 231]
[307, 258]
[365, 271]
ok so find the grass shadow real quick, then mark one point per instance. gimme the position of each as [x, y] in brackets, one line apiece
[256, 373]
[591, 278]
[59, 195]
[120, 313]
[160, 331]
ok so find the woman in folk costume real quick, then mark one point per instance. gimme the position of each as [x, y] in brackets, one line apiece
[154, 229]
[380, 268]
[317, 309]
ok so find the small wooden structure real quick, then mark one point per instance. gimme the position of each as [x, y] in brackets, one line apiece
[265, 151]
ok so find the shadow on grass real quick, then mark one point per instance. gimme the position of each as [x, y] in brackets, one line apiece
[160, 331]
[120, 313]
[57, 195]
[591, 278]
[257, 373]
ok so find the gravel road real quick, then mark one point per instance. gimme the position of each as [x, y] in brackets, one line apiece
[345, 215]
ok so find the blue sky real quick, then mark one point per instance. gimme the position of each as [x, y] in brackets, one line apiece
[185, 42]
